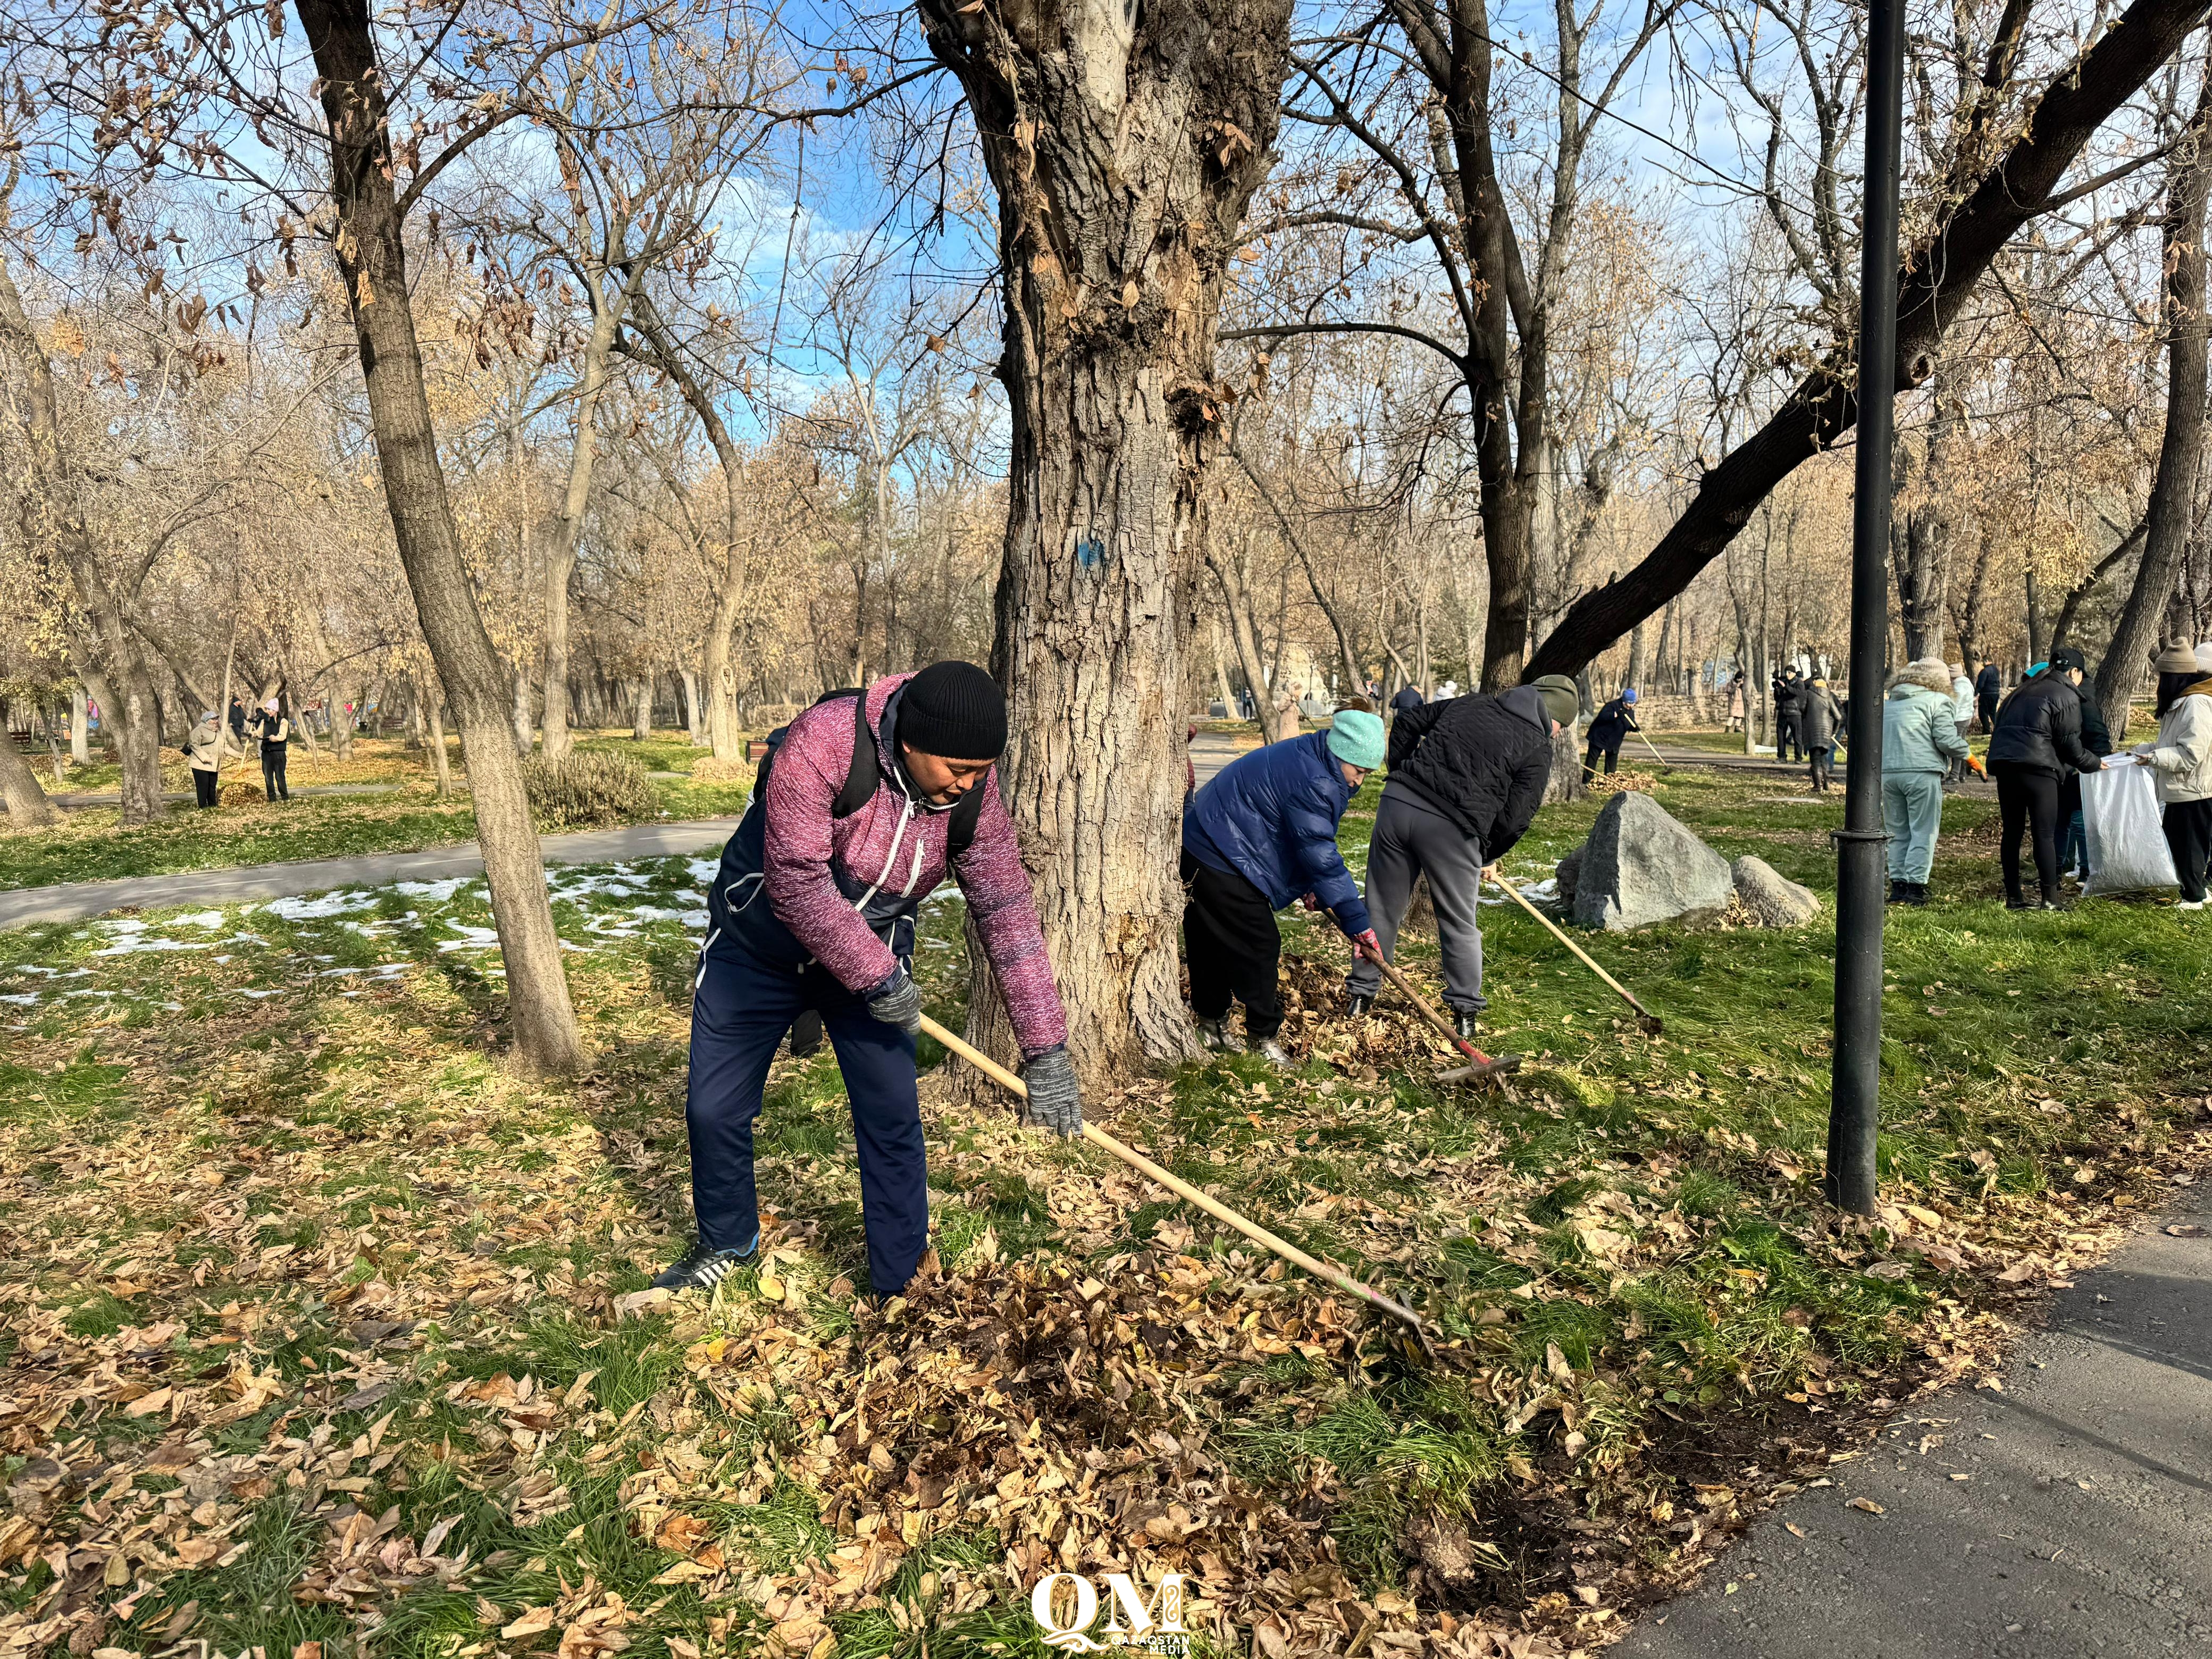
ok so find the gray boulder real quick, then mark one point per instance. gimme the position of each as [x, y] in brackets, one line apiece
[1776, 899]
[1640, 866]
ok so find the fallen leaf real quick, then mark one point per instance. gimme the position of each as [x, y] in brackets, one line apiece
[1868, 1505]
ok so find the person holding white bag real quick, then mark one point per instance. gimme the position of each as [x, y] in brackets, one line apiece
[2182, 759]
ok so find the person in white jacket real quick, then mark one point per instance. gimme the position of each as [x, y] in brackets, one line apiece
[2182, 756]
[203, 751]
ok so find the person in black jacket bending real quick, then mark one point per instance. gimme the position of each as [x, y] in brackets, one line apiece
[274, 731]
[1607, 728]
[1466, 776]
[2037, 742]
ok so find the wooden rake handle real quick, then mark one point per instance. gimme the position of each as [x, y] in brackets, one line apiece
[1427, 1010]
[1651, 1021]
[1183, 1190]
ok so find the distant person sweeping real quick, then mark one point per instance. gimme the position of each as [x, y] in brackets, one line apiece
[1466, 779]
[2182, 758]
[1608, 729]
[1818, 720]
[1260, 836]
[865, 803]
[204, 748]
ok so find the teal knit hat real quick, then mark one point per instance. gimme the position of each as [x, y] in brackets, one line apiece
[1356, 738]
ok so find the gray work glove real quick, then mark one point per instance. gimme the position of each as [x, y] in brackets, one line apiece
[897, 1001]
[1055, 1099]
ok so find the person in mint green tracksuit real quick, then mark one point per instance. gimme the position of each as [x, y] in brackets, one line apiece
[1919, 740]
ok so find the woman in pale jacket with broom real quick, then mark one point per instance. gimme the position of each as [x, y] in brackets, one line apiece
[2183, 759]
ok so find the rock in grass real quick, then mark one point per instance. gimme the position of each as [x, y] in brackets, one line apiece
[1567, 874]
[1640, 866]
[1776, 899]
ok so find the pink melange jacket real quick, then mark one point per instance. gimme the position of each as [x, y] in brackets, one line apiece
[897, 843]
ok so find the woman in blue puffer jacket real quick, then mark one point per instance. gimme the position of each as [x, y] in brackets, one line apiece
[1260, 835]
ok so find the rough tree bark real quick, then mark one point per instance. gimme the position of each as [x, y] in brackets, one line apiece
[1921, 552]
[1937, 282]
[2172, 518]
[47, 501]
[372, 263]
[26, 803]
[1123, 145]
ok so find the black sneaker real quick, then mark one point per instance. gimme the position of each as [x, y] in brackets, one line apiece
[1464, 1024]
[701, 1268]
[1357, 1006]
[805, 1034]
[1897, 892]
[1915, 892]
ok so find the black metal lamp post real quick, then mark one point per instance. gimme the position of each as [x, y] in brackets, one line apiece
[1853, 1111]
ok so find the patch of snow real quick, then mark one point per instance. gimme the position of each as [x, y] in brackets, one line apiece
[23, 1000]
[123, 925]
[198, 919]
[330, 904]
[703, 869]
[257, 995]
[472, 938]
[438, 892]
[132, 945]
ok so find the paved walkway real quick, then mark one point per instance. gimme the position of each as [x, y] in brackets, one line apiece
[75, 901]
[2070, 1515]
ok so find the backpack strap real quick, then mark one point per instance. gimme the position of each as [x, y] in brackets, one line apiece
[960, 834]
[865, 770]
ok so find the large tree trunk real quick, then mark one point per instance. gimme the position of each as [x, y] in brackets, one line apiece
[28, 805]
[691, 722]
[80, 728]
[46, 499]
[568, 526]
[372, 262]
[1124, 146]
[1922, 549]
[2173, 515]
[1937, 280]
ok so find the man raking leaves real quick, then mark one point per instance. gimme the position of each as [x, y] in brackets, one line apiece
[1466, 776]
[864, 805]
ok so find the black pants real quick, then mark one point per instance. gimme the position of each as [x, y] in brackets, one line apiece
[2027, 798]
[272, 771]
[1824, 758]
[2189, 833]
[1789, 744]
[1987, 708]
[203, 785]
[1610, 750]
[1233, 948]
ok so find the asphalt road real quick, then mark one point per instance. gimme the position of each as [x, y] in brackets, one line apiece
[75, 901]
[2082, 1525]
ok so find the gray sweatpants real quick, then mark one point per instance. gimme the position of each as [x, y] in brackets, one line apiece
[1412, 839]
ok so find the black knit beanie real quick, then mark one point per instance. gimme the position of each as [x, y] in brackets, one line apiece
[954, 710]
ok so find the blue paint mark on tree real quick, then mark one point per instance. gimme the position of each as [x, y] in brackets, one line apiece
[1090, 553]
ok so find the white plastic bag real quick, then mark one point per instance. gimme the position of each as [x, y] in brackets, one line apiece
[2128, 852]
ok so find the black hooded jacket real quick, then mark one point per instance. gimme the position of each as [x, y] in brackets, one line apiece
[1481, 760]
[2039, 728]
